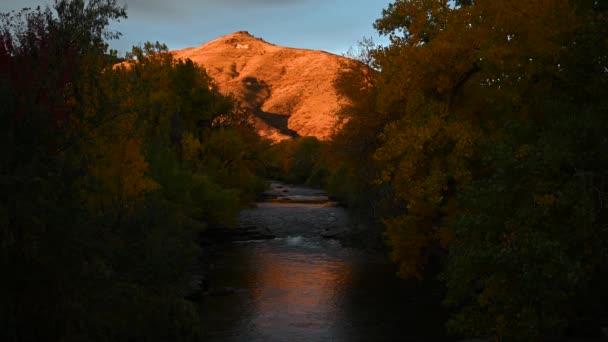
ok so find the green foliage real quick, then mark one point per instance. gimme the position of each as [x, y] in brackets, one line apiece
[479, 143]
[528, 255]
[533, 239]
[100, 210]
[448, 76]
[298, 161]
[353, 169]
[193, 194]
[235, 161]
[180, 107]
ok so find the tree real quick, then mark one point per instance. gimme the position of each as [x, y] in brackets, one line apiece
[527, 260]
[82, 255]
[479, 100]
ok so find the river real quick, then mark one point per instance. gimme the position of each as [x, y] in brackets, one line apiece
[300, 286]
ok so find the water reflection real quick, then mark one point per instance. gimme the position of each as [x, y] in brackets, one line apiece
[295, 293]
[299, 289]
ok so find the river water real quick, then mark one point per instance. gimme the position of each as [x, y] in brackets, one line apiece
[303, 287]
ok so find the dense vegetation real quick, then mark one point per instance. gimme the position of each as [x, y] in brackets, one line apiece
[477, 138]
[107, 176]
[481, 144]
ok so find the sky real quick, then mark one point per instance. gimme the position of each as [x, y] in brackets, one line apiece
[330, 25]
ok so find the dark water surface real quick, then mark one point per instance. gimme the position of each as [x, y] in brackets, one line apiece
[298, 288]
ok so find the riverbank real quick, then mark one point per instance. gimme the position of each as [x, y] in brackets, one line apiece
[294, 210]
[301, 279]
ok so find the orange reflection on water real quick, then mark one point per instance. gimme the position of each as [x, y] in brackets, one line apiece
[299, 290]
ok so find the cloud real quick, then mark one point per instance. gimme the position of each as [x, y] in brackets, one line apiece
[317, 24]
[224, 3]
[183, 9]
[185, 5]
[258, 2]
[172, 9]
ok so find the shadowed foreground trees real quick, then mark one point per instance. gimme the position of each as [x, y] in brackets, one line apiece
[107, 176]
[486, 130]
[480, 143]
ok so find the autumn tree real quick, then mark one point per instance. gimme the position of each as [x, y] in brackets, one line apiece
[207, 133]
[481, 126]
[429, 142]
[349, 155]
[479, 89]
[93, 245]
[527, 261]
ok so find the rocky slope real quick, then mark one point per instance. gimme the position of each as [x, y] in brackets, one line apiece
[290, 91]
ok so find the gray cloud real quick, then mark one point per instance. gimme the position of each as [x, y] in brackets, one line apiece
[316, 24]
[182, 9]
[163, 5]
[257, 2]
[167, 7]
[223, 3]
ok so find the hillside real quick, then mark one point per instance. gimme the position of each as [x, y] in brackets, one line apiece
[290, 91]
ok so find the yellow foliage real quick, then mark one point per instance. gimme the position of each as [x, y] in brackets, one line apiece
[409, 240]
[545, 201]
[446, 83]
[191, 147]
[118, 166]
[445, 236]
[523, 152]
[424, 154]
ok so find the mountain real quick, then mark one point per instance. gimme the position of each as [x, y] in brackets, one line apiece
[290, 91]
